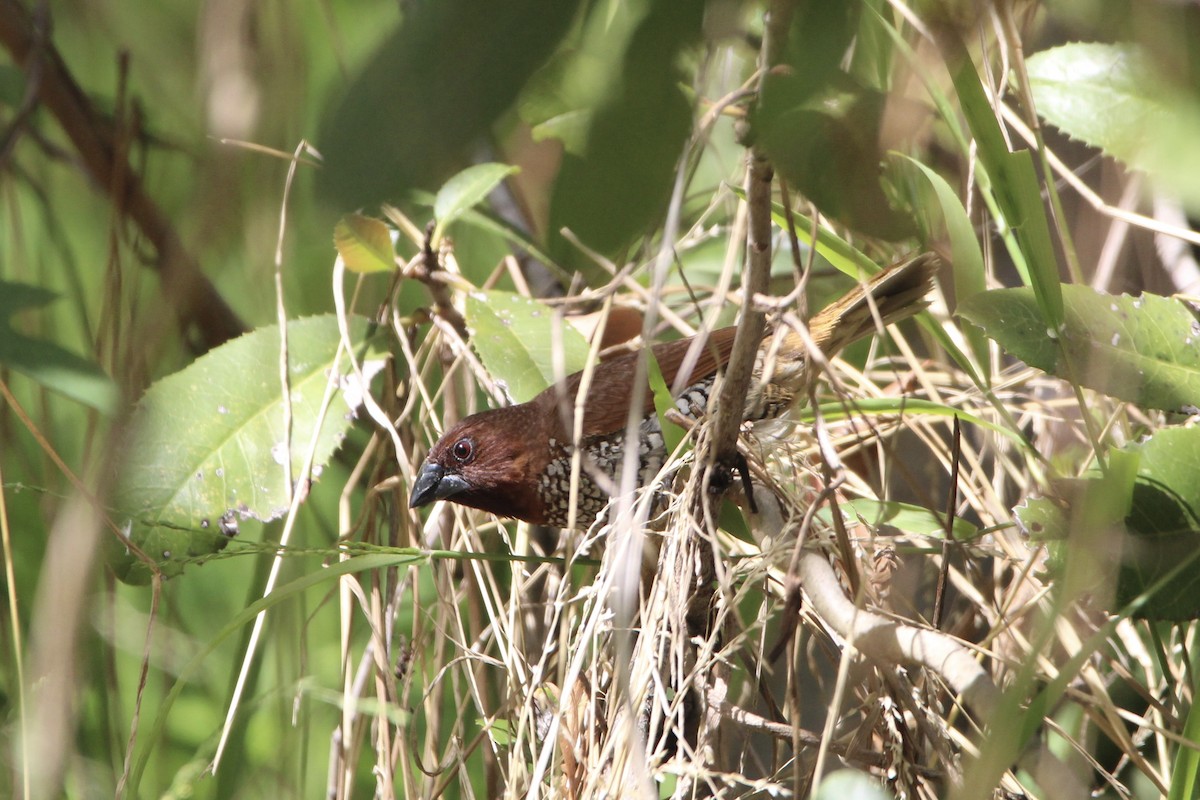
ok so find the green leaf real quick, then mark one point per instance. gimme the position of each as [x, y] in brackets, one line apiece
[208, 444]
[516, 339]
[908, 518]
[977, 109]
[364, 243]
[1015, 185]
[44, 361]
[967, 259]
[847, 784]
[969, 276]
[1144, 350]
[732, 519]
[1020, 195]
[431, 92]
[664, 403]
[1043, 519]
[827, 146]
[610, 195]
[1128, 102]
[820, 125]
[1150, 499]
[499, 730]
[1162, 554]
[1185, 766]
[570, 128]
[1100, 94]
[560, 99]
[506, 231]
[466, 190]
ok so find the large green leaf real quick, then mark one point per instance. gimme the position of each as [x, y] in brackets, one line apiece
[1152, 494]
[516, 339]
[826, 144]
[1126, 101]
[612, 193]
[1145, 350]
[44, 361]
[664, 403]
[967, 259]
[208, 445]
[1101, 94]
[820, 125]
[1018, 194]
[431, 92]
[1185, 766]
[1164, 523]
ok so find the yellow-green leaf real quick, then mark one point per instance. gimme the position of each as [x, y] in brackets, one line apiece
[364, 243]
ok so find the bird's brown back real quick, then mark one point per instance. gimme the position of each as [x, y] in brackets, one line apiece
[891, 295]
[610, 388]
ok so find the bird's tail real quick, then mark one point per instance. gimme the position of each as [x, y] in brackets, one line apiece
[894, 294]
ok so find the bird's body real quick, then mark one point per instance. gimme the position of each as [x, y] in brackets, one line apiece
[517, 461]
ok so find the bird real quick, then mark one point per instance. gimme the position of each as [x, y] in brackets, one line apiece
[516, 461]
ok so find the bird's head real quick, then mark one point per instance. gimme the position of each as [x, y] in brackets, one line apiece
[490, 461]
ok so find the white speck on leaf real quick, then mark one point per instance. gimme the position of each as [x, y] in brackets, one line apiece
[279, 453]
[353, 389]
[222, 410]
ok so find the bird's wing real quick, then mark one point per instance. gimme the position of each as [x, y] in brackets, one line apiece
[611, 386]
[712, 356]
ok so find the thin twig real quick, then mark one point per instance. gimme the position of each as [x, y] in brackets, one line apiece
[730, 406]
[425, 268]
[939, 597]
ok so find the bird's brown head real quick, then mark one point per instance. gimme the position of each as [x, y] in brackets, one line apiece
[487, 461]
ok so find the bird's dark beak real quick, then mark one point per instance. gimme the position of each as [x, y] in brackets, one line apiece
[435, 483]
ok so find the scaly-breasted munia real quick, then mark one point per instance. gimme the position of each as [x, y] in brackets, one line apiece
[516, 461]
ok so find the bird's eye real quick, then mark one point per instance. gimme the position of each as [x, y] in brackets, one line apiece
[463, 450]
